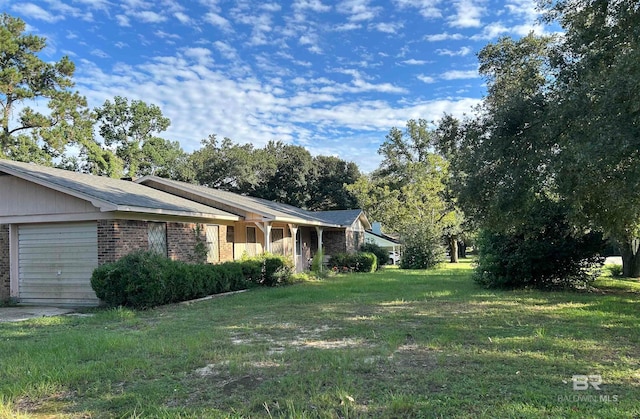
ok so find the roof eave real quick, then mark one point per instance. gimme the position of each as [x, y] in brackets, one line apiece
[157, 211]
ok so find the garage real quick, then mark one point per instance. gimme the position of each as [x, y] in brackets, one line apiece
[55, 262]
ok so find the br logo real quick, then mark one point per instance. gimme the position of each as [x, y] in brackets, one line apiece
[583, 382]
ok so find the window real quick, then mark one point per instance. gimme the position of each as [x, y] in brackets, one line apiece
[277, 241]
[231, 234]
[213, 254]
[252, 241]
[251, 235]
[157, 237]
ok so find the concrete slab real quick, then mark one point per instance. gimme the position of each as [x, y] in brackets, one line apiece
[21, 313]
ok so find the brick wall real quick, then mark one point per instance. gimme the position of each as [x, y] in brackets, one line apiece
[5, 263]
[182, 240]
[117, 238]
[334, 242]
[227, 240]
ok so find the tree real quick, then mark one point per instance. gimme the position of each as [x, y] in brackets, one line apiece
[288, 183]
[228, 166]
[408, 192]
[130, 128]
[595, 116]
[25, 78]
[327, 181]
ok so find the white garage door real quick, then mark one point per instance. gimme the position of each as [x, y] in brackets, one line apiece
[55, 263]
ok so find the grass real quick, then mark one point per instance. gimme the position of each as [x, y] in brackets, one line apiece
[391, 344]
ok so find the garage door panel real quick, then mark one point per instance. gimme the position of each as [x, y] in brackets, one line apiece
[56, 262]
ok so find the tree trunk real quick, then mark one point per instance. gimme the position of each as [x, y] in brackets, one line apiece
[630, 258]
[453, 249]
[462, 246]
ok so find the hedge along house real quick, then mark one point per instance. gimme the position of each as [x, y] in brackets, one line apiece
[56, 226]
[268, 226]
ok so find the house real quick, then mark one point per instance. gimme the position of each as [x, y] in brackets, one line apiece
[391, 244]
[56, 226]
[268, 226]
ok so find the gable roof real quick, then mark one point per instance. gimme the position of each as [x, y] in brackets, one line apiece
[344, 218]
[268, 210]
[239, 204]
[110, 194]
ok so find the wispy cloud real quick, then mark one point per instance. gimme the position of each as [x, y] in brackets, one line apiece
[413, 61]
[426, 79]
[36, 12]
[460, 75]
[443, 37]
[459, 53]
[358, 10]
[427, 8]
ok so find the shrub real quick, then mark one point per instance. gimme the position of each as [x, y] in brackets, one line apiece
[423, 247]
[317, 262]
[146, 279]
[353, 262]
[614, 270]
[382, 255]
[546, 252]
[268, 269]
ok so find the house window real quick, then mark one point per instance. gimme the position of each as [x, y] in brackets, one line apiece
[231, 234]
[252, 241]
[251, 235]
[213, 247]
[157, 236]
[277, 241]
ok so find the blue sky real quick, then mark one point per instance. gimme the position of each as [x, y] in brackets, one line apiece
[333, 76]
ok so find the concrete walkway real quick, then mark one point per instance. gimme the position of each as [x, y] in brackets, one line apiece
[17, 314]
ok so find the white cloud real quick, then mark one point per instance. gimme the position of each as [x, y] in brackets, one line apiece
[443, 37]
[427, 8]
[468, 14]
[388, 27]
[148, 16]
[123, 20]
[459, 53]
[413, 61]
[36, 12]
[491, 31]
[99, 53]
[182, 17]
[347, 27]
[460, 75]
[426, 79]
[313, 5]
[358, 10]
[219, 21]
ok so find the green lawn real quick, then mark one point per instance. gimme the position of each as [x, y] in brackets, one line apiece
[391, 344]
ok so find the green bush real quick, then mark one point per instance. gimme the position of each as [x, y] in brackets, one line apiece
[423, 248]
[268, 269]
[382, 255]
[146, 279]
[546, 253]
[353, 262]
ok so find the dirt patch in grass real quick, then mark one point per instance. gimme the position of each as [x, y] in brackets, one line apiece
[55, 402]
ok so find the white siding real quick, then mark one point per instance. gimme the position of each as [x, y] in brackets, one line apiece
[55, 263]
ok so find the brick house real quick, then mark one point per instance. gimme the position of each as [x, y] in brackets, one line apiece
[56, 226]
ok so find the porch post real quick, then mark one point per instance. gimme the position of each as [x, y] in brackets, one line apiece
[267, 236]
[294, 234]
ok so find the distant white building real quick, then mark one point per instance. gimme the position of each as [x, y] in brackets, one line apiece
[376, 236]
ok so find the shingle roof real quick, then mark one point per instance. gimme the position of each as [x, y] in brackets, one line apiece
[343, 218]
[268, 209]
[110, 194]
